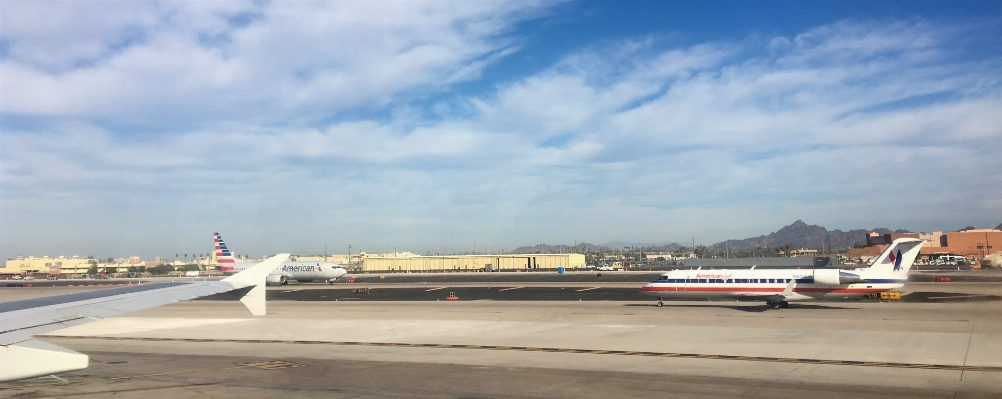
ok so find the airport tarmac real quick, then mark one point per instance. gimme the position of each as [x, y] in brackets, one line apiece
[512, 348]
[620, 279]
[507, 291]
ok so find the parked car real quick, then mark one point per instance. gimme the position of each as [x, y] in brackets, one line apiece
[18, 277]
[29, 277]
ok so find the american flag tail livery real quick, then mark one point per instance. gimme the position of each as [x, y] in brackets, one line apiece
[897, 258]
[224, 258]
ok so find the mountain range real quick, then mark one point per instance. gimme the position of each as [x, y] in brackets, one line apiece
[560, 249]
[798, 234]
[803, 235]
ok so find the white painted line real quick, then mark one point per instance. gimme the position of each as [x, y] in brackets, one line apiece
[436, 289]
[588, 289]
[512, 288]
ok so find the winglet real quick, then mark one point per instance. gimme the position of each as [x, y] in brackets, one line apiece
[254, 276]
[789, 288]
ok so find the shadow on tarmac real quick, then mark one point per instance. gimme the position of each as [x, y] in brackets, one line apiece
[743, 308]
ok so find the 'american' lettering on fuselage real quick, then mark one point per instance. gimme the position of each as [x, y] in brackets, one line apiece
[299, 268]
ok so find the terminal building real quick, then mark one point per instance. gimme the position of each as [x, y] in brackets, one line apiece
[508, 262]
[46, 265]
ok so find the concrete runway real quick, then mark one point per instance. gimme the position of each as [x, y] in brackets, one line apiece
[509, 349]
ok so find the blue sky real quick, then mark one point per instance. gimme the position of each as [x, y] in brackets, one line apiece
[139, 128]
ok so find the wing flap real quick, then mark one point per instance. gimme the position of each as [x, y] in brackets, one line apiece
[33, 358]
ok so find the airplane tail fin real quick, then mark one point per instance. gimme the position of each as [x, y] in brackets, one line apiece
[898, 258]
[224, 259]
[251, 283]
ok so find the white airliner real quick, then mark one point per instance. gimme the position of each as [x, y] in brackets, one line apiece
[302, 272]
[779, 287]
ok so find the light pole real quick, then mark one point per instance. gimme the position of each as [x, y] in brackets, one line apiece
[349, 254]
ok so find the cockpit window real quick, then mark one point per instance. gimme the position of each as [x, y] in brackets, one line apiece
[663, 278]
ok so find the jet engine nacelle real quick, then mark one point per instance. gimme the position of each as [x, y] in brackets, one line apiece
[275, 279]
[836, 277]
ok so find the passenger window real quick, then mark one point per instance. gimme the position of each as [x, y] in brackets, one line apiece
[702, 280]
[772, 280]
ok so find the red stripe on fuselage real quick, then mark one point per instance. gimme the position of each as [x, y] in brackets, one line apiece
[760, 289]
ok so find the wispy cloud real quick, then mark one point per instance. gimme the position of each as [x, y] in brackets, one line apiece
[163, 63]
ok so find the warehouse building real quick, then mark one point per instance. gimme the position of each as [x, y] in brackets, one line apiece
[514, 262]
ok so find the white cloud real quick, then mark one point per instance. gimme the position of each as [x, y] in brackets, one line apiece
[850, 125]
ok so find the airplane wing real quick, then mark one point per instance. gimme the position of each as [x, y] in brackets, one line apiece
[779, 297]
[21, 356]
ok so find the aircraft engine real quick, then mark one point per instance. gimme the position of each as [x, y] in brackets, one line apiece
[275, 279]
[835, 277]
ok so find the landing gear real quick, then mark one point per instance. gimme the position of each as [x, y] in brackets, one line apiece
[778, 305]
[660, 302]
[330, 281]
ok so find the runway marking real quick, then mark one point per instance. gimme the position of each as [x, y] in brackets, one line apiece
[297, 289]
[832, 362]
[512, 288]
[272, 364]
[588, 289]
[436, 289]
